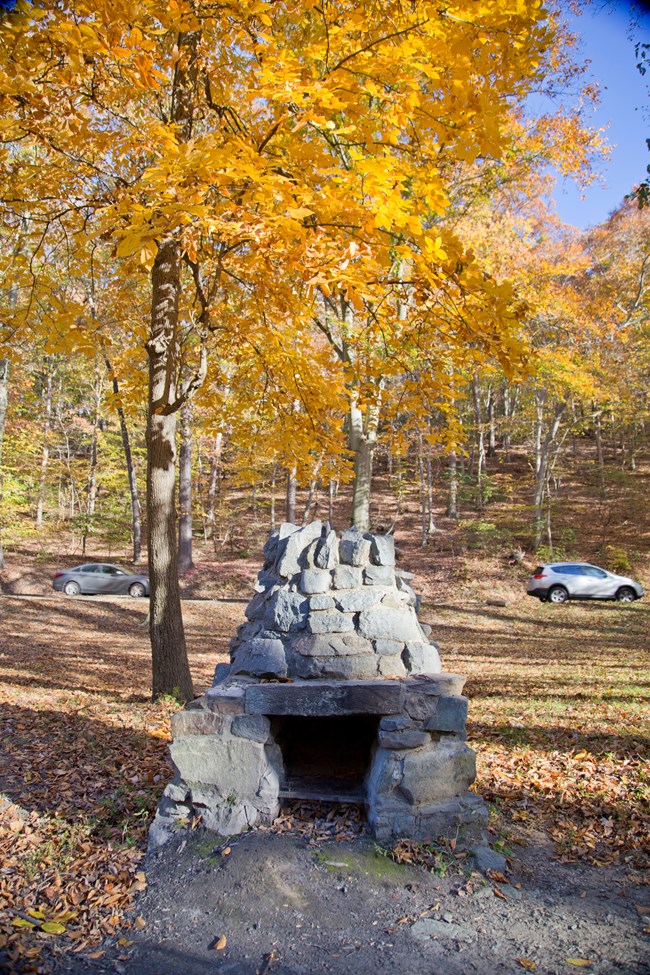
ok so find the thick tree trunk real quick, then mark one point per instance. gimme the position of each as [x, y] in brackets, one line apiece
[170, 667]
[185, 492]
[45, 453]
[4, 378]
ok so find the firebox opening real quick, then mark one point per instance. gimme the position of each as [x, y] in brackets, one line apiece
[325, 758]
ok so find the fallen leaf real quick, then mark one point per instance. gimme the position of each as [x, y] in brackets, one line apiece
[578, 962]
[220, 943]
[226, 852]
[139, 923]
[528, 964]
[53, 927]
[499, 893]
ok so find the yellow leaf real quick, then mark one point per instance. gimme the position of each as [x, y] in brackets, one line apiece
[21, 922]
[53, 927]
[297, 213]
[220, 943]
[526, 963]
[578, 962]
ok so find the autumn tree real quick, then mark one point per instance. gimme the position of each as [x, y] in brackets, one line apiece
[238, 151]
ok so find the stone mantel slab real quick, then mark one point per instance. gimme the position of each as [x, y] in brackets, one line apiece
[326, 698]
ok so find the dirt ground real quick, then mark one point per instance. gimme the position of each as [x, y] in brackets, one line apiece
[288, 905]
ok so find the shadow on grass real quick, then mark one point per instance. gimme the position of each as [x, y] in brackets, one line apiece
[560, 738]
[80, 768]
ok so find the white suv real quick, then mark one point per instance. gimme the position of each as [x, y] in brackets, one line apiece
[560, 581]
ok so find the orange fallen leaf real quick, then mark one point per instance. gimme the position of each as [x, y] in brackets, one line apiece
[528, 964]
[499, 893]
[226, 852]
[220, 943]
[139, 923]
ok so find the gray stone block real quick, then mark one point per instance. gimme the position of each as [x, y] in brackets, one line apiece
[262, 658]
[395, 722]
[225, 700]
[355, 667]
[255, 727]
[445, 769]
[450, 715]
[419, 706]
[177, 792]
[382, 550]
[408, 738]
[347, 577]
[421, 658]
[330, 621]
[435, 685]
[327, 552]
[389, 624]
[393, 599]
[357, 600]
[271, 546]
[265, 581]
[391, 666]
[233, 766]
[221, 673]
[388, 647]
[286, 611]
[378, 575]
[330, 645]
[326, 698]
[315, 581]
[292, 552]
[321, 602]
[257, 606]
[186, 723]
[354, 547]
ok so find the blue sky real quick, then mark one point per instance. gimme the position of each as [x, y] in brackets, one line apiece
[604, 30]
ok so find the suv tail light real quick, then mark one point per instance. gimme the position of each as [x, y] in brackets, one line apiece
[538, 575]
[57, 575]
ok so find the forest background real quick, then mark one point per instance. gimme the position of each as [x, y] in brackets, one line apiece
[299, 249]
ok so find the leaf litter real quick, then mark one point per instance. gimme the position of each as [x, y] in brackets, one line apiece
[557, 723]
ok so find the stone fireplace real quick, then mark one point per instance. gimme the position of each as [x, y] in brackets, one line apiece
[334, 692]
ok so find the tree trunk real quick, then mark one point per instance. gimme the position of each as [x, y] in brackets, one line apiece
[4, 377]
[136, 522]
[185, 492]
[480, 440]
[452, 500]
[45, 453]
[543, 446]
[492, 441]
[170, 666]
[91, 484]
[600, 456]
[273, 477]
[290, 506]
[215, 481]
[363, 440]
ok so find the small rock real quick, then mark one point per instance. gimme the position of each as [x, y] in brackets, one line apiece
[487, 859]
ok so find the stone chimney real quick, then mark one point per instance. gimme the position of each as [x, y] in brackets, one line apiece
[334, 692]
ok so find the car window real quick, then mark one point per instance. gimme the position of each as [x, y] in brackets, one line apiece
[565, 570]
[108, 570]
[89, 568]
[592, 570]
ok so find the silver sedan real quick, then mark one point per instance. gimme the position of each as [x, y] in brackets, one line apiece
[100, 577]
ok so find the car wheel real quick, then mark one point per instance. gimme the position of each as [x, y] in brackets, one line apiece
[137, 590]
[558, 594]
[543, 599]
[72, 588]
[625, 595]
